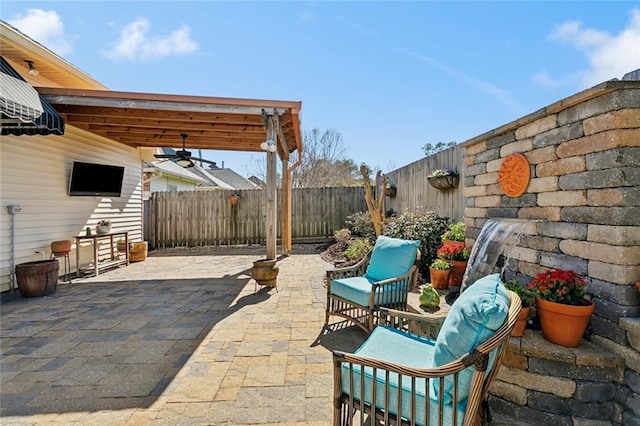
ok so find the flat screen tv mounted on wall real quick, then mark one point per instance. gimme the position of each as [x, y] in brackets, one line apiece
[88, 179]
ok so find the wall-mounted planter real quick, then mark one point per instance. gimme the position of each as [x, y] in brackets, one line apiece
[444, 182]
[390, 191]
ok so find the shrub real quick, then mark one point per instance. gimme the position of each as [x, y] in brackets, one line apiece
[455, 232]
[361, 225]
[358, 249]
[342, 236]
[426, 227]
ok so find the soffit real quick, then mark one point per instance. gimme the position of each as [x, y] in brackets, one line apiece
[156, 120]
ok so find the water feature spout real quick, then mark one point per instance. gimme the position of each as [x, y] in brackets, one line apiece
[497, 237]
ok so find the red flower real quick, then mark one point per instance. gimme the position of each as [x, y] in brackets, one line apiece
[560, 286]
[453, 251]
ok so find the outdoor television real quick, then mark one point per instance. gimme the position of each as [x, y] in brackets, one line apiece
[88, 179]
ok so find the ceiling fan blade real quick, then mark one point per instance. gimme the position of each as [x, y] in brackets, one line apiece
[202, 160]
[166, 156]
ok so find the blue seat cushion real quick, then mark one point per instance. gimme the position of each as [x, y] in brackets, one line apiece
[472, 319]
[391, 257]
[358, 289]
[389, 344]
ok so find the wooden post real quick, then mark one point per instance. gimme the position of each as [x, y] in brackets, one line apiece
[286, 207]
[271, 194]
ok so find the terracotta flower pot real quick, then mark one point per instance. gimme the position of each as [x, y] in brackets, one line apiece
[61, 247]
[562, 324]
[439, 279]
[457, 272]
[521, 323]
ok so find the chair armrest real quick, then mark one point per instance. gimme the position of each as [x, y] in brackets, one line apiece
[356, 270]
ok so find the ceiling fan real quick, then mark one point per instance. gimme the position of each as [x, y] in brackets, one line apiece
[183, 157]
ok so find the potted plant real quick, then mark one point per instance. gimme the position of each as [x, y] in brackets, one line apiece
[390, 190]
[528, 299]
[234, 199]
[443, 178]
[439, 272]
[455, 232]
[561, 306]
[103, 226]
[457, 254]
[122, 247]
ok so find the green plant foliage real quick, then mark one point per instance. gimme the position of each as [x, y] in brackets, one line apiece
[358, 249]
[455, 232]
[426, 227]
[527, 296]
[361, 225]
[440, 265]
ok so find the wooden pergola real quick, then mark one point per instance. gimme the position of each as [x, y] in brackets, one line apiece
[157, 120]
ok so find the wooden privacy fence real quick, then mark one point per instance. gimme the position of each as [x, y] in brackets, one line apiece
[208, 218]
[415, 194]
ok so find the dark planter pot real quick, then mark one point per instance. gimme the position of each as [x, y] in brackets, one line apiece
[39, 278]
[265, 272]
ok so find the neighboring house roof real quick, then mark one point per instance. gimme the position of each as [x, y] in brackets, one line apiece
[231, 178]
[258, 181]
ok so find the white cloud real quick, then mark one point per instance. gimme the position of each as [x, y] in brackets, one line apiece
[610, 56]
[542, 78]
[45, 27]
[136, 44]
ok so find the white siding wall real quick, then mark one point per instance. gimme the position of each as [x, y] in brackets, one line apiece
[167, 183]
[34, 174]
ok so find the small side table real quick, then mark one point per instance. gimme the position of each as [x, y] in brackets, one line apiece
[96, 266]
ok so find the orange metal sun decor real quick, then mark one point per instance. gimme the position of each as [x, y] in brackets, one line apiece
[513, 176]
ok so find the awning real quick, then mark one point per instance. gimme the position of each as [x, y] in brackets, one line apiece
[22, 110]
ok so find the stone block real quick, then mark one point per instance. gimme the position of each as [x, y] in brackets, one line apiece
[633, 404]
[580, 421]
[517, 413]
[476, 169]
[475, 212]
[632, 379]
[525, 200]
[626, 295]
[564, 406]
[613, 311]
[558, 135]
[599, 142]
[563, 230]
[537, 242]
[470, 202]
[563, 261]
[519, 146]
[562, 387]
[515, 360]
[603, 327]
[618, 157]
[504, 212]
[551, 214]
[488, 201]
[541, 155]
[619, 216]
[469, 160]
[500, 140]
[619, 255]
[494, 189]
[561, 166]
[594, 391]
[475, 148]
[632, 328]
[536, 127]
[509, 391]
[488, 155]
[623, 196]
[530, 269]
[562, 198]
[475, 191]
[611, 101]
[524, 254]
[630, 419]
[468, 181]
[631, 357]
[610, 178]
[486, 178]
[494, 165]
[533, 345]
[617, 274]
[562, 369]
[545, 184]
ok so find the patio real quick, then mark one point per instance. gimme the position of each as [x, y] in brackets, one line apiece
[180, 338]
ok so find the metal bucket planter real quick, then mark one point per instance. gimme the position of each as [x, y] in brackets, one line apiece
[38, 278]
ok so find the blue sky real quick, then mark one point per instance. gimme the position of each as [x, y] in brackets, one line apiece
[383, 74]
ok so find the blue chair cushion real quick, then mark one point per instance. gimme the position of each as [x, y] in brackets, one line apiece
[389, 344]
[472, 319]
[358, 289]
[391, 257]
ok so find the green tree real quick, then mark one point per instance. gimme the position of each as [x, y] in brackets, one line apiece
[430, 149]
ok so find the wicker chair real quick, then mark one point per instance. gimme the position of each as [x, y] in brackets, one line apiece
[383, 278]
[438, 386]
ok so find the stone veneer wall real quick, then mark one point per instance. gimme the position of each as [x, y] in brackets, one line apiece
[584, 153]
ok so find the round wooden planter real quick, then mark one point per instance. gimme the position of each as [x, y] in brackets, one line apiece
[562, 324]
[521, 323]
[439, 279]
[457, 272]
[39, 278]
[265, 272]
